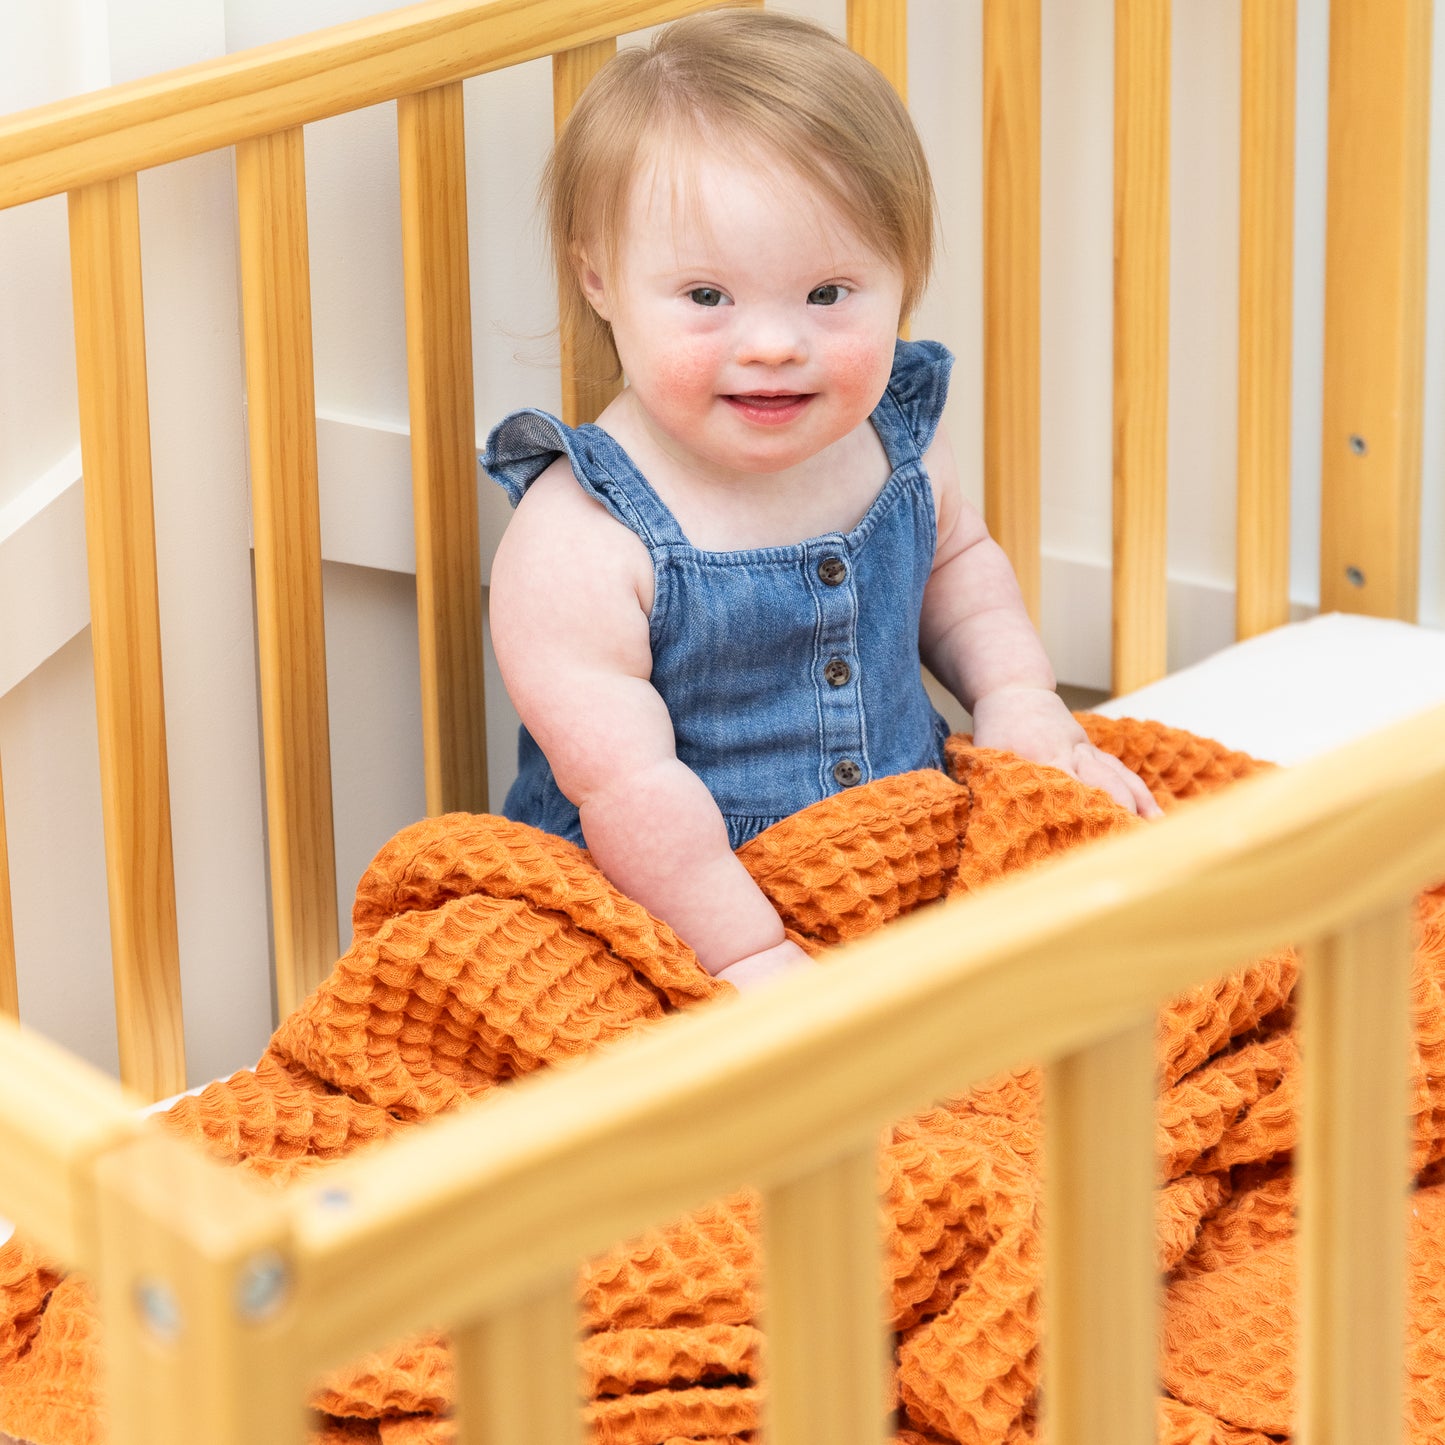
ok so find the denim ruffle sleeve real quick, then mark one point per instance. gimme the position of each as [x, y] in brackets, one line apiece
[522, 446]
[525, 443]
[919, 386]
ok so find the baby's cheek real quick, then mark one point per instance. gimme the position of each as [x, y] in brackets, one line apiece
[860, 370]
[687, 373]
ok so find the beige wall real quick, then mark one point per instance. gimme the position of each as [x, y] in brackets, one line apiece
[47, 729]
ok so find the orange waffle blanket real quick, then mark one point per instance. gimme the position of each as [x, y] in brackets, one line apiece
[484, 949]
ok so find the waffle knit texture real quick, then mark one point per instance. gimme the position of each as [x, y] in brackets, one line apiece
[484, 949]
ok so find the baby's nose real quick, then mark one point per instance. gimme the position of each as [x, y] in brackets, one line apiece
[772, 341]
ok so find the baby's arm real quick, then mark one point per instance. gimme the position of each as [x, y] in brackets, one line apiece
[977, 639]
[571, 591]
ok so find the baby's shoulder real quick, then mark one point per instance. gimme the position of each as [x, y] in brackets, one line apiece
[560, 536]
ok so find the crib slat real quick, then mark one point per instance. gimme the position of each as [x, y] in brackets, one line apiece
[1375, 306]
[281, 408]
[1101, 1287]
[534, 1341]
[825, 1344]
[196, 1292]
[1141, 338]
[586, 385]
[105, 266]
[1353, 1177]
[878, 31]
[9, 985]
[1012, 142]
[432, 145]
[1266, 276]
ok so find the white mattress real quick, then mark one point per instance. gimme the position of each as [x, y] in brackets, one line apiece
[1300, 690]
[1289, 694]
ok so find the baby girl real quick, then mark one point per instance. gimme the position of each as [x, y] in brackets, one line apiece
[710, 607]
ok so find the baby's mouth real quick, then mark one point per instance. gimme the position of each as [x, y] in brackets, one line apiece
[769, 405]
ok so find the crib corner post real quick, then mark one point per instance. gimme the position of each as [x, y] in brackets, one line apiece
[198, 1299]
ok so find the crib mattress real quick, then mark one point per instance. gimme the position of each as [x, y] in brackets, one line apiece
[1288, 694]
[1300, 690]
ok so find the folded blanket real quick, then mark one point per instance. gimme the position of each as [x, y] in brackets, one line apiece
[484, 949]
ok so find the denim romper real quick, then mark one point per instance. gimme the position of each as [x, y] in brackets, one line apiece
[790, 673]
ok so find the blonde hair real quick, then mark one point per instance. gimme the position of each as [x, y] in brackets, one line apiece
[770, 81]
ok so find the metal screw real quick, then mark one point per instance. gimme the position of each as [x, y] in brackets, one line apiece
[160, 1310]
[1358, 445]
[262, 1286]
[1354, 577]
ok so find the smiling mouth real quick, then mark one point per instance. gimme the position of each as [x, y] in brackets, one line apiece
[769, 406]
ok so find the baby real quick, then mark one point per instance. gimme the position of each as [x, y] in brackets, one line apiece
[710, 607]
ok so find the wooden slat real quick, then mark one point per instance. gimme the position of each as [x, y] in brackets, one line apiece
[1266, 280]
[586, 385]
[9, 984]
[1375, 306]
[281, 412]
[445, 1221]
[826, 1357]
[219, 102]
[878, 31]
[1141, 339]
[1353, 1162]
[57, 1117]
[195, 1283]
[443, 447]
[518, 1377]
[1101, 1287]
[1012, 120]
[105, 267]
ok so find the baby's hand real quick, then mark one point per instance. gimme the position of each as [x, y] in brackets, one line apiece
[765, 965]
[1034, 723]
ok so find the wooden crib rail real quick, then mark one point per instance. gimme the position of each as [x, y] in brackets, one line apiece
[432, 151]
[115, 448]
[286, 512]
[1141, 339]
[1266, 312]
[1013, 228]
[216, 103]
[480, 1217]
[1375, 235]
[57, 1117]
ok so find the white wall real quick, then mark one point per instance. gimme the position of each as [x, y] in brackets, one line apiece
[47, 728]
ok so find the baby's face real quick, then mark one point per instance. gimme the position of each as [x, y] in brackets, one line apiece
[754, 325]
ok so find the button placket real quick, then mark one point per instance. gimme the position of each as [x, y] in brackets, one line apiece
[842, 744]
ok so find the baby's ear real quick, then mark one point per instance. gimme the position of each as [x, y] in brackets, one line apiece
[590, 279]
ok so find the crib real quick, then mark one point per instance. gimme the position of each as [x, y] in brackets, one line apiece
[220, 1303]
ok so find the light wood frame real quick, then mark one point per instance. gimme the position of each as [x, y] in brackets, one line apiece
[460, 1225]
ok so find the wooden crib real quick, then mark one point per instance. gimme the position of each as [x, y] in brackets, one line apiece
[221, 1303]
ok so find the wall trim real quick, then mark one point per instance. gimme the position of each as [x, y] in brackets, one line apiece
[366, 521]
[44, 591]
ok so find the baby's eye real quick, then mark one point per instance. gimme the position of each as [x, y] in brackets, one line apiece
[706, 296]
[829, 295]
